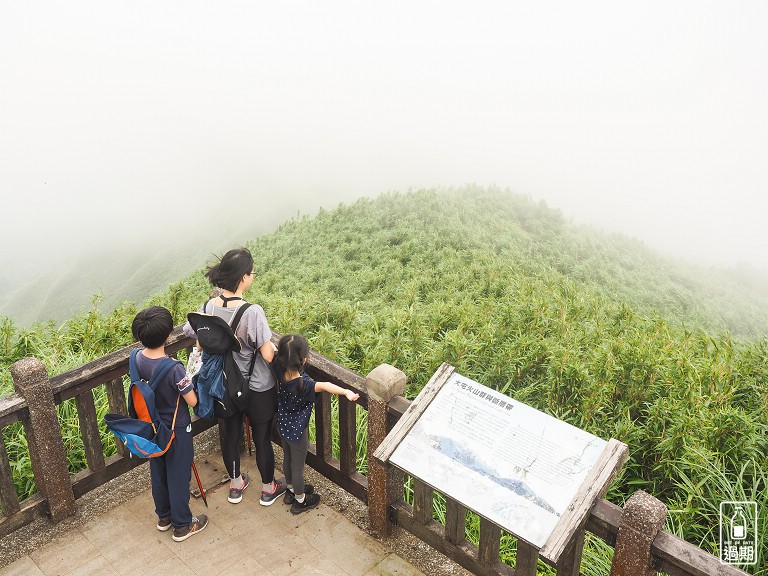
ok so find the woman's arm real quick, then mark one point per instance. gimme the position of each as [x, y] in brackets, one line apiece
[338, 390]
[267, 351]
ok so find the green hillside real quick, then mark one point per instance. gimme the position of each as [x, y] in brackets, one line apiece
[594, 329]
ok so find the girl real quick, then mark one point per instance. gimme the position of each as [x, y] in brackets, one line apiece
[295, 398]
[233, 275]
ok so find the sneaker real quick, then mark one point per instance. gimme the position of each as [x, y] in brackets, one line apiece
[163, 523]
[236, 494]
[198, 525]
[267, 498]
[310, 501]
[290, 496]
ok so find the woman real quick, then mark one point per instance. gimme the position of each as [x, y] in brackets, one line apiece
[233, 275]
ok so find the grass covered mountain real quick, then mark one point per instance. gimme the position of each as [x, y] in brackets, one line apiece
[595, 329]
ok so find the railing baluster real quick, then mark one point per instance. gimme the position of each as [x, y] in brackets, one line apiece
[455, 521]
[526, 559]
[490, 536]
[116, 396]
[347, 436]
[423, 496]
[323, 428]
[570, 562]
[117, 404]
[8, 499]
[89, 430]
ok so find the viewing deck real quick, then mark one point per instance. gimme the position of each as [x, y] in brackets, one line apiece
[114, 533]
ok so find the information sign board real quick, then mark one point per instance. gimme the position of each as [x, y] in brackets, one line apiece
[526, 471]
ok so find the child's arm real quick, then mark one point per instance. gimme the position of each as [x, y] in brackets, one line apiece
[190, 398]
[338, 390]
[187, 391]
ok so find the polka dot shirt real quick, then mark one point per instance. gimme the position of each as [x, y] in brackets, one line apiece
[295, 399]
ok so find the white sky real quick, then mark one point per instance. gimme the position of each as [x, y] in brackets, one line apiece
[647, 118]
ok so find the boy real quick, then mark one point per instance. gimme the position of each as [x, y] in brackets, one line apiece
[171, 472]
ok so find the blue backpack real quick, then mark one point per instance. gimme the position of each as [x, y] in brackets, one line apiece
[143, 432]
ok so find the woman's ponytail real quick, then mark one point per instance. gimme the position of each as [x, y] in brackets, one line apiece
[230, 269]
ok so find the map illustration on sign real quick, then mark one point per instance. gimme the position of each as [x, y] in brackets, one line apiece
[516, 466]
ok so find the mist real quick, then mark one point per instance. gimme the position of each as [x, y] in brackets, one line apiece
[127, 127]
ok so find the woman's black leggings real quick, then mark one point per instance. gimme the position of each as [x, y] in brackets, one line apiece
[232, 434]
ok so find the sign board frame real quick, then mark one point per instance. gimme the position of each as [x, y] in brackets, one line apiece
[592, 488]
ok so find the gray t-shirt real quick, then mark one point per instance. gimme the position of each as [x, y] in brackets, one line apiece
[252, 332]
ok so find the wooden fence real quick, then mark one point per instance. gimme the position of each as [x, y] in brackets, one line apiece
[635, 530]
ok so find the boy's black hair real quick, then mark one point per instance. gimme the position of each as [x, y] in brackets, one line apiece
[152, 326]
[292, 352]
[230, 269]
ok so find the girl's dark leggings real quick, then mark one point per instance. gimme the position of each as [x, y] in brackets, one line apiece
[294, 456]
[232, 434]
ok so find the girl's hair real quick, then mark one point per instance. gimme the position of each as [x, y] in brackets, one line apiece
[292, 351]
[230, 269]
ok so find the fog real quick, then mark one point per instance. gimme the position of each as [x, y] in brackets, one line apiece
[124, 123]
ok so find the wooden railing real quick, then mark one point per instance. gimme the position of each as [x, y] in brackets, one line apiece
[382, 489]
[34, 404]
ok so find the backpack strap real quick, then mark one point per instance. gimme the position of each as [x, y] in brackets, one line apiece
[226, 300]
[160, 371]
[157, 373]
[133, 371]
[235, 323]
[173, 424]
[238, 315]
[157, 376]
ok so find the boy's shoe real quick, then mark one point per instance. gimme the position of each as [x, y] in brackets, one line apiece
[310, 501]
[290, 496]
[198, 525]
[268, 498]
[236, 494]
[163, 523]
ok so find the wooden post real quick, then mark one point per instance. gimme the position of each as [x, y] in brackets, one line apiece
[526, 559]
[570, 562]
[46, 446]
[117, 404]
[641, 520]
[422, 502]
[455, 522]
[347, 436]
[89, 430]
[383, 383]
[490, 540]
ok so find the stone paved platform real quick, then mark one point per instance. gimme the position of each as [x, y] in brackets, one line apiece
[243, 539]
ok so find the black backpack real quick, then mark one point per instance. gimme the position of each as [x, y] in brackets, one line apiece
[218, 341]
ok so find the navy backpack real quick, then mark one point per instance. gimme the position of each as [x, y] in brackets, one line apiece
[143, 432]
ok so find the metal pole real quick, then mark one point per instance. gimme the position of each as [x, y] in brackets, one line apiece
[199, 484]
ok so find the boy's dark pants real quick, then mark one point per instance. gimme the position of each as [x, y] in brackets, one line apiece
[171, 474]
